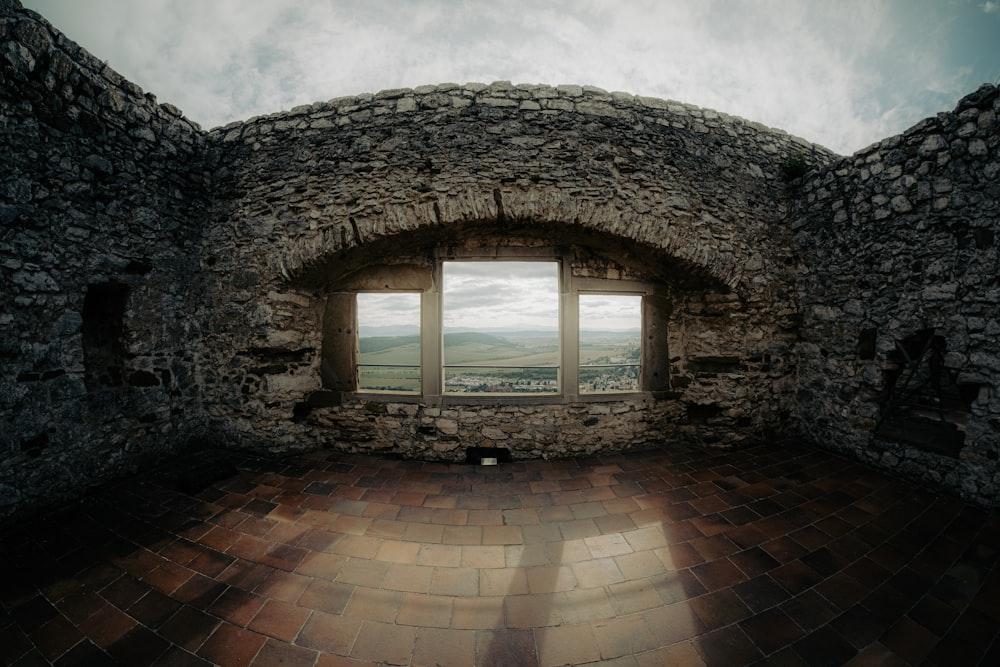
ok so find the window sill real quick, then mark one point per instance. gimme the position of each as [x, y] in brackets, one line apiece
[501, 399]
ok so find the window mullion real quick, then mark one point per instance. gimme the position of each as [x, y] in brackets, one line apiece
[431, 338]
[569, 335]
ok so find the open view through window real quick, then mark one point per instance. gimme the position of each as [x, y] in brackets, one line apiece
[389, 342]
[610, 330]
[501, 327]
[496, 327]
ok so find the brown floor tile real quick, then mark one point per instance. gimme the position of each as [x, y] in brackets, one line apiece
[55, 637]
[623, 636]
[280, 620]
[231, 646]
[374, 605]
[674, 557]
[237, 606]
[326, 596]
[107, 626]
[444, 648]
[506, 648]
[189, 628]
[567, 645]
[477, 613]
[280, 654]
[383, 642]
[771, 630]
[329, 633]
[423, 610]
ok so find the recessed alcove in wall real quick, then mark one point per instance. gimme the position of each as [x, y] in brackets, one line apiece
[923, 404]
[587, 263]
[104, 335]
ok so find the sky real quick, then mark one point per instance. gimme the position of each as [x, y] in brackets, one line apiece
[500, 296]
[841, 73]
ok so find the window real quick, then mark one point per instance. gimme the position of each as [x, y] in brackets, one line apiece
[610, 337]
[501, 327]
[389, 342]
[520, 322]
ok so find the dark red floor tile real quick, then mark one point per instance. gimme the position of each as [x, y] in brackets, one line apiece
[771, 630]
[139, 647]
[810, 610]
[718, 574]
[720, 608]
[677, 586]
[727, 646]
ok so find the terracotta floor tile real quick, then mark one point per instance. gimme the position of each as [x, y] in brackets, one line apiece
[189, 628]
[477, 613]
[720, 609]
[138, 647]
[727, 646]
[382, 642]
[771, 630]
[56, 637]
[411, 578]
[329, 633]
[483, 556]
[280, 620]
[363, 572]
[674, 557]
[445, 648]
[237, 606]
[567, 645]
[506, 648]
[280, 654]
[326, 596]
[107, 626]
[231, 646]
[532, 611]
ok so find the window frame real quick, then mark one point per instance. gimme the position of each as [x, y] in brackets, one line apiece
[570, 288]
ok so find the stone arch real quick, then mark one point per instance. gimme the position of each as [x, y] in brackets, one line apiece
[649, 243]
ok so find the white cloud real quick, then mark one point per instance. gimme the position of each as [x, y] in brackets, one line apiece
[990, 7]
[842, 74]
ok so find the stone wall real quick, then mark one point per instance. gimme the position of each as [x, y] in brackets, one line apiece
[688, 198]
[99, 239]
[164, 286]
[900, 299]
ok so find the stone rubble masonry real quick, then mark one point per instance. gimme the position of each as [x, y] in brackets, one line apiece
[163, 288]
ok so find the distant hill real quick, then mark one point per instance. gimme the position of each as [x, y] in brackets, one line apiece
[369, 344]
[476, 338]
[389, 330]
[379, 343]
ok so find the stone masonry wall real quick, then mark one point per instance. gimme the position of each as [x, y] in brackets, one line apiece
[99, 239]
[898, 259]
[162, 286]
[694, 200]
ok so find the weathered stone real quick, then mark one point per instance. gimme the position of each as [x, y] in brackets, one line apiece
[167, 286]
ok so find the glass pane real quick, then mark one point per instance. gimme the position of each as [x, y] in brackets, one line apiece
[610, 330]
[389, 340]
[501, 380]
[501, 327]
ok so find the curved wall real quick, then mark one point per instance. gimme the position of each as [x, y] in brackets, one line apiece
[686, 197]
[100, 193]
[164, 286]
[898, 271]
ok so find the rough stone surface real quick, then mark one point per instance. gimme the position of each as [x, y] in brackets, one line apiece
[164, 286]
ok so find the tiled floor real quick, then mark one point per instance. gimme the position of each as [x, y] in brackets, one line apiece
[777, 554]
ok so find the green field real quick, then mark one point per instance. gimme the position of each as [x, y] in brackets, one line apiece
[501, 363]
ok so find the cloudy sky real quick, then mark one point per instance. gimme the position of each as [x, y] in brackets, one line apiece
[498, 296]
[843, 73]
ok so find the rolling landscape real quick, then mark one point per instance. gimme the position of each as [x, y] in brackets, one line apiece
[498, 361]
